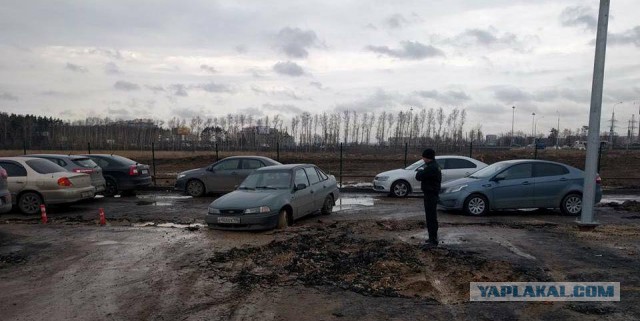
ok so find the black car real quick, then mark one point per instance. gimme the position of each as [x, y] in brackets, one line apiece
[121, 174]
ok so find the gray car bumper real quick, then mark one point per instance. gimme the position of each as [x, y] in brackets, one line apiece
[247, 222]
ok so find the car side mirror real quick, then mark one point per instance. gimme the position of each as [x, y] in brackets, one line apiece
[498, 178]
[300, 187]
[210, 169]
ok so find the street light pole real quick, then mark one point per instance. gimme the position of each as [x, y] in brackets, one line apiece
[558, 132]
[533, 124]
[513, 118]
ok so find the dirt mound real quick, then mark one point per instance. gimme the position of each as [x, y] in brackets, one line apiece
[379, 267]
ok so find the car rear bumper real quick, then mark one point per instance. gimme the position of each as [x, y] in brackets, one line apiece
[255, 222]
[68, 195]
[134, 183]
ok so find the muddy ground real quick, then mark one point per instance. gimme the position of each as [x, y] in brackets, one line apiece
[155, 260]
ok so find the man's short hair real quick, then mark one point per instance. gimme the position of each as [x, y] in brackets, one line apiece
[429, 153]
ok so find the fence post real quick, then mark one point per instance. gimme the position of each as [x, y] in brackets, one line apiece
[89, 148]
[217, 157]
[24, 146]
[153, 161]
[278, 151]
[340, 165]
[470, 149]
[406, 150]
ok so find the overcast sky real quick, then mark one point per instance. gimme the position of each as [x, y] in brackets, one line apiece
[158, 59]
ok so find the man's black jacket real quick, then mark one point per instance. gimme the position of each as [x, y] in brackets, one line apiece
[430, 178]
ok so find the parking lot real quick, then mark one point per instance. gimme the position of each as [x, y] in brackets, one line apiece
[156, 260]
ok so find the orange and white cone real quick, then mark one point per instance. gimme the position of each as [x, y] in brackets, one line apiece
[103, 220]
[43, 214]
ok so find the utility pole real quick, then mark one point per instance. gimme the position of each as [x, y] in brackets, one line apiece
[587, 220]
[513, 118]
[558, 133]
[611, 129]
[633, 127]
[533, 124]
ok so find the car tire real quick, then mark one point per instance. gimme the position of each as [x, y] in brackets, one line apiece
[111, 187]
[327, 206]
[283, 219]
[194, 188]
[29, 203]
[571, 204]
[476, 205]
[400, 189]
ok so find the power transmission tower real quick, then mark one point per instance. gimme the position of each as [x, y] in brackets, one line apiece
[612, 128]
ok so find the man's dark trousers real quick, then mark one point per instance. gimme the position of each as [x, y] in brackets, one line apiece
[430, 209]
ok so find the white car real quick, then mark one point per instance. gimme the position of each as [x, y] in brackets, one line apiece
[401, 182]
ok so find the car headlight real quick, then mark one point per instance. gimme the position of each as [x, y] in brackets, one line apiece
[214, 210]
[381, 178]
[181, 176]
[256, 210]
[456, 188]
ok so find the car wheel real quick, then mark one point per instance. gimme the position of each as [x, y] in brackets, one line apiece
[400, 189]
[283, 219]
[327, 206]
[195, 188]
[476, 205]
[29, 203]
[111, 187]
[571, 204]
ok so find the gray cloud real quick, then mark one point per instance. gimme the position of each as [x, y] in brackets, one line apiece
[412, 50]
[110, 53]
[450, 97]
[111, 68]
[631, 36]
[377, 101]
[241, 49]
[213, 87]
[279, 93]
[512, 94]
[294, 41]
[125, 85]
[396, 21]
[75, 68]
[288, 68]
[509, 95]
[208, 69]
[481, 37]
[179, 90]
[118, 112]
[283, 108]
[8, 96]
[155, 89]
[316, 84]
[251, 111]
[579, 16]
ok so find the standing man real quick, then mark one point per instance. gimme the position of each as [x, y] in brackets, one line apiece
[430, 178]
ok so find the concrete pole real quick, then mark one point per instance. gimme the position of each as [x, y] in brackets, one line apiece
[593, 142]
[513, 118]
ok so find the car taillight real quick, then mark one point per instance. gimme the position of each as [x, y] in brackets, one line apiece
[3, 173]
[63, 181]
[83, 170]
[133, 170]
[598, 179]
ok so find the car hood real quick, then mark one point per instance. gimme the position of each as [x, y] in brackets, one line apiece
[400, 172]
[248, 198]
[460, 181]
[192, 172]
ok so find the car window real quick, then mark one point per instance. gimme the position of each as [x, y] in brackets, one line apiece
[101, 162]
[458, 163]
[301, 178]
[312, 174]
[545, 169]
[442, 162]
[517, 172]
[227, 165]
[85, 162]
[44, 166]
[251, 164]
[14, 170]
[322, 175]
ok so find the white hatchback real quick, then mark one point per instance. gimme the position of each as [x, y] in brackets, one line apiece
[401, 182]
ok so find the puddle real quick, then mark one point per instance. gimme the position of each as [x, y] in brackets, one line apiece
[619, 198]
[99, 196]
[164, 197]
[447, 238]
[345, 203]
[142, 202]
[172, 225]
[356, 185]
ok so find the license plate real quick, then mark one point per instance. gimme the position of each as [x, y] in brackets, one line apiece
[145, 171]
[229, 220]
[86, 194]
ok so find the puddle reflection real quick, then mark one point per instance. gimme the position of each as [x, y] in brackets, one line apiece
[345, 203]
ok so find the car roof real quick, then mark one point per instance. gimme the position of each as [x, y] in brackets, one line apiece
[250, 156]
[518, 161]
[284, 167]
[19, 158]
[57, 155]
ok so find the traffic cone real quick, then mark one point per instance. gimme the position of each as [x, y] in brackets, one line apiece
[43, 214]
[103, 220]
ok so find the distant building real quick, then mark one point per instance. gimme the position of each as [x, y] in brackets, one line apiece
[491, 140]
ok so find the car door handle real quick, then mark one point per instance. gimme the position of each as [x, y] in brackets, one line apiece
[312, 192]
[234, 173]
[525, 183]
[562, 179]
[19, 182]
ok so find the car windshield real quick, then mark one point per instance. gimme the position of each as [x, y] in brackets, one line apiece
[85, 162]
[267, 180]
[43, 166]
[490, 170]
[415, 165]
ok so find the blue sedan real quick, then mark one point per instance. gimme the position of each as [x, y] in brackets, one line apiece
[518, 184]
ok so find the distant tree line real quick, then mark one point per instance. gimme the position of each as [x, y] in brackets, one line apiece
[245, 131]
